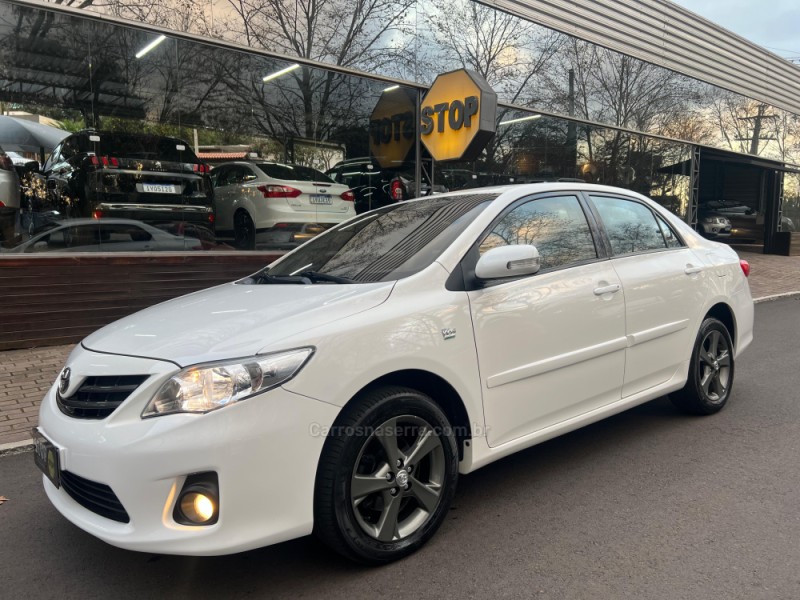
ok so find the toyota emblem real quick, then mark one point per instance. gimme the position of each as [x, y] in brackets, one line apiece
[63, 385]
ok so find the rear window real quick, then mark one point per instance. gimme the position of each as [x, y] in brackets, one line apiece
[142, 147]
[293, 172]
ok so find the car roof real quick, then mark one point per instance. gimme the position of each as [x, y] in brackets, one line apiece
[543, 186]
[89, 221]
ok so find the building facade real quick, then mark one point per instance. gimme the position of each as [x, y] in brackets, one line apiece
[636, 93]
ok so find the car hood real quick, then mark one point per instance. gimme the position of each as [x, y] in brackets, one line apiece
[233, 320]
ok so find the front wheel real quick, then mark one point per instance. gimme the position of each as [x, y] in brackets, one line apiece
[710, 373]
[386, 477]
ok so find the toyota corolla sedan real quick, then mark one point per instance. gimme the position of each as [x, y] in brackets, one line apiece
[343, 389]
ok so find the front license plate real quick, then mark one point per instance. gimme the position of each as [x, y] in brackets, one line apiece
[45, 455]
[320, 199]
[159, 188]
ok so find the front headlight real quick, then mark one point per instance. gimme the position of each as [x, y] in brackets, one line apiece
[203, 388]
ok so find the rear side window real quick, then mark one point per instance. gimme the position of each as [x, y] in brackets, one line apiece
[672, 239]
[631, 227]
[293, 172]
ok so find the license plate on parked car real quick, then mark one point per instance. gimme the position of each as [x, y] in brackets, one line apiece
[45, 455]
[320, 198]
[160, 188]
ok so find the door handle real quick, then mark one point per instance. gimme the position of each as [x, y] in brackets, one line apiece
[692, 270]
[607, 289]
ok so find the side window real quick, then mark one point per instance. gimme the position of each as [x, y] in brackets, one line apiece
[70, 149]
[53, 158]
[351, 177]
[669, 234]
[111, 234]
[631, 226]
[556, 226]
[247, 174]
[218, 177]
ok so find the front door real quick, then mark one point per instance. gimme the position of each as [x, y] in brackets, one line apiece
[551, 346]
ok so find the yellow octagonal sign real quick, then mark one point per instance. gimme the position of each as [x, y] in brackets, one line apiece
[458, 116]
[391, 127]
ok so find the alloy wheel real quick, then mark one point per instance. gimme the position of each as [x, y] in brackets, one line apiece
[398, 478]
[714, 368]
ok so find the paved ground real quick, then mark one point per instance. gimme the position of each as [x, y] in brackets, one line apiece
[649, 504]
[25, 375]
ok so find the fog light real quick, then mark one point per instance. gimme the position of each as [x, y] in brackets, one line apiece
[197, 507]
[198, 500]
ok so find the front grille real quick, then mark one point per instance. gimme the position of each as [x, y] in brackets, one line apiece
[98, 397]
[96, 497]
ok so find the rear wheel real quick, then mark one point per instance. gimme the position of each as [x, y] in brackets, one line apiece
[386, 477]
[244, 231]
[710, 373]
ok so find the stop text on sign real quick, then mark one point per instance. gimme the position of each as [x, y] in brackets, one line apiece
[455, 115]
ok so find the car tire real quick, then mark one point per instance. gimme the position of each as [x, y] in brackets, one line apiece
[244, 231]
[710, 372]
[386, 477]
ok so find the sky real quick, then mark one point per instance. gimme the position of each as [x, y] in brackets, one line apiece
[773, 24]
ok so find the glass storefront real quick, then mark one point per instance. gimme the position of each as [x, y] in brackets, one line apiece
[172, 144]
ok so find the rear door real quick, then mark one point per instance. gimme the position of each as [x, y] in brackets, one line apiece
[664, 286]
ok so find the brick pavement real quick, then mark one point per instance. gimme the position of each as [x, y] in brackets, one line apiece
[25, 375]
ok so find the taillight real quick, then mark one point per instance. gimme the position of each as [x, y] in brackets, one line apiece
[348, 196]
[1, 204]
[105, 161]
[201, 168]
[397, 190]
[97, 214]
[278, 191]
[745, 267]
[5, 163]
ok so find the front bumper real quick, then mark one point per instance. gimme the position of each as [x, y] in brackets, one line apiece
[264, 450]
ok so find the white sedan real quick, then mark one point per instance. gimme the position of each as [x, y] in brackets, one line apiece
[276, 205]
[343, 389]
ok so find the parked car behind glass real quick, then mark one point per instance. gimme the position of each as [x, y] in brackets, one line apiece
[105, 235]
[344, 388]
[275, 204]
[145, 177]
[9, 198]
[374, 186]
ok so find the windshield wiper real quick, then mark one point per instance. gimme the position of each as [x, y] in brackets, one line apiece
[266, 278]
[317, 276]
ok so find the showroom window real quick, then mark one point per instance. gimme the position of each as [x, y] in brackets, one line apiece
[556, 226]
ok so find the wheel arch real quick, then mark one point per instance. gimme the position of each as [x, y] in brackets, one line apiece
[722, 312]
[437, 388]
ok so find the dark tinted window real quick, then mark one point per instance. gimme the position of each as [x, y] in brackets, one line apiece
[556, 226]
[144, 147]
[293, 172]
[389, 243]
[631, 226]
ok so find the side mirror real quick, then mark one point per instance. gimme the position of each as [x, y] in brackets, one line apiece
[508, 261]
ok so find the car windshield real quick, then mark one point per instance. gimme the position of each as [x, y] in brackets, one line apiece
[293, 172]
[389, 243]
